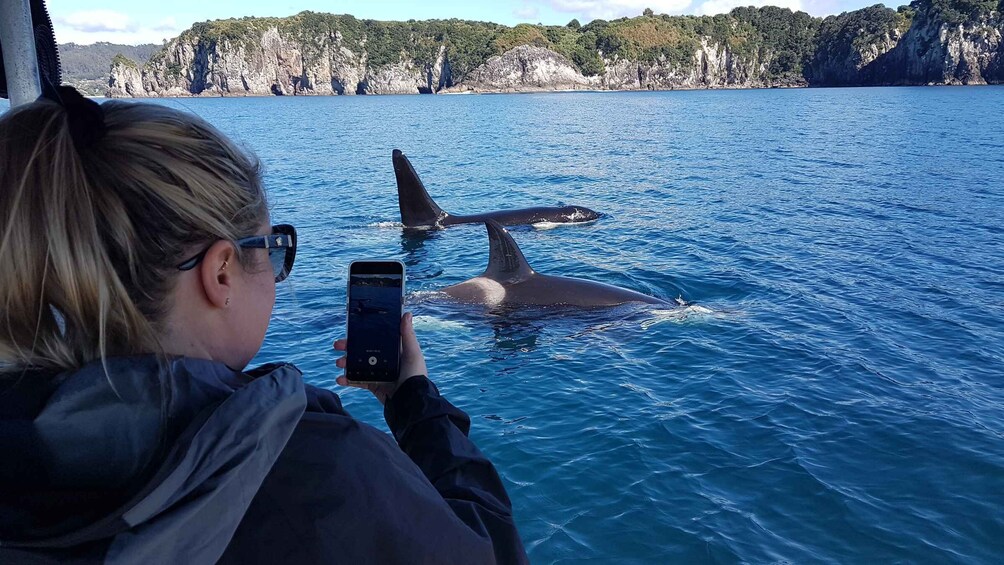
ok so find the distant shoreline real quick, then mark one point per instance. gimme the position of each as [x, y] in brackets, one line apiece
[546, 91]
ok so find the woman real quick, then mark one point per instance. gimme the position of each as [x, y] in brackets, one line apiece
[137, 281]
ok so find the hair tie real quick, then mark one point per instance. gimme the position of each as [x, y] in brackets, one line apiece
[86, 117]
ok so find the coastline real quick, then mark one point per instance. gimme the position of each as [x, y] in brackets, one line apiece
[453, 91]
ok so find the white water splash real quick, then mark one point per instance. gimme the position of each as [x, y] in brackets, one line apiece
[432, 324]
[420, 296]
[385, 225]
[552, 225]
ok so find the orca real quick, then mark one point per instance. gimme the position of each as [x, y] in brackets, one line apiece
[510, 281]
[418, 210]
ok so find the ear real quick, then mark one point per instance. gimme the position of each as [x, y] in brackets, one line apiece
[217, 272]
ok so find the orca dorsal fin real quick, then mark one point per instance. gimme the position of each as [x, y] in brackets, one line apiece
[505, 261]
[417, 207]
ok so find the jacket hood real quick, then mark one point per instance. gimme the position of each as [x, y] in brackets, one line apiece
[158, 459]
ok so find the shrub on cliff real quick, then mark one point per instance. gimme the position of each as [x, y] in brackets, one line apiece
[120, 59]
[956, 12]
[468, 44]
[783, 39]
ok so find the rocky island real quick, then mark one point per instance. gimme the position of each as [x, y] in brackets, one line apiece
[927, 42]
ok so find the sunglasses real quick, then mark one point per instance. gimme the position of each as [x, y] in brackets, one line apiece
[281, 246]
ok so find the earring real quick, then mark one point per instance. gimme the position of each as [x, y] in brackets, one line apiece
[227, 303]
[224, 267]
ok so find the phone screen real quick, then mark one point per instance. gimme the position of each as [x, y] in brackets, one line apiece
[374, 332]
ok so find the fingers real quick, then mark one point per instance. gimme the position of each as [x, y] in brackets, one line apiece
[340, 345]
[380, 391]
[345, 382]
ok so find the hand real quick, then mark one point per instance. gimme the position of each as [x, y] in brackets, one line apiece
[412, 362]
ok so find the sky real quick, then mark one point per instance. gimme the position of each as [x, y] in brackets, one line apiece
[139, 21]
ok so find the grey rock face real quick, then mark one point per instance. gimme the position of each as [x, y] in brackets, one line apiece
[712, 66]
[848, 67]
[930, 52]
[273, 64]
[973, 53]
[529, 68]
[400, 78]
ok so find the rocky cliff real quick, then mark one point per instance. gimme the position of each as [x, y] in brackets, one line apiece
[941, 49]
[713, 65]
[270, 60]
[848, 44]
[928, 42]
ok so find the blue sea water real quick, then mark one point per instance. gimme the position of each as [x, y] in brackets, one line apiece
[835, 392]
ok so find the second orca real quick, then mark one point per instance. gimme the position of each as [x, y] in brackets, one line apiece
[510, 281]
[418, 210]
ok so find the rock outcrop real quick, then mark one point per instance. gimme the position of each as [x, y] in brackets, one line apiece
[125, 79]
[527, 67]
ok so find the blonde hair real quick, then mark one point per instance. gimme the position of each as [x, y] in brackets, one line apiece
[92, 234]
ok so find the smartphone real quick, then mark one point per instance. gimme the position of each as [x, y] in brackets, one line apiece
[375, 303]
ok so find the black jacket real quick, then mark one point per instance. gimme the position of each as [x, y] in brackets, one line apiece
[195, 463]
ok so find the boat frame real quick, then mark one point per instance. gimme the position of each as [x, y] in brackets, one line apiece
[19, 56]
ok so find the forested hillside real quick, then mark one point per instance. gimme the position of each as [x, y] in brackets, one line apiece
[927, 42]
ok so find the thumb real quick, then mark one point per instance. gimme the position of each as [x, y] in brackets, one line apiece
[409, 341]
[412, 360]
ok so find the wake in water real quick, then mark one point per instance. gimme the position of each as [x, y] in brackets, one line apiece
[688, 313]
[625, 316]
[537, 226]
